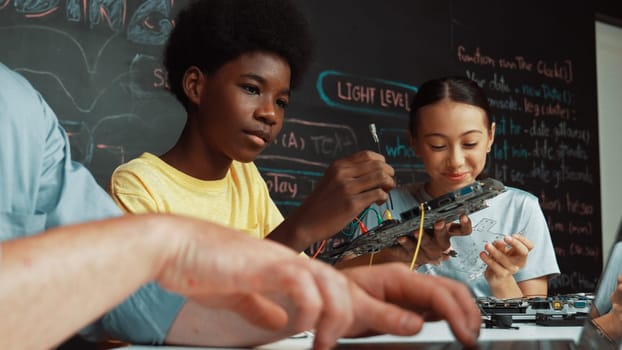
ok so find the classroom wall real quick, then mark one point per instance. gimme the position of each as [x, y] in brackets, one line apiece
[97, 64]
[609, 85]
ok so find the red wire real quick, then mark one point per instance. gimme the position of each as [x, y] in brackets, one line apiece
[361, 226]
[319, 249]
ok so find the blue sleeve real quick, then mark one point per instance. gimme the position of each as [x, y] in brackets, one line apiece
[144, 318]
[41, 188]
[22, 143]
[68, 193]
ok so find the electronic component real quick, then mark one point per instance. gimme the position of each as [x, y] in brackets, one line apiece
[540, 304]
[555, 310]
[557, 304]
[374, 136]
[499, 321]
[374, 133]
[576, 319]
[502, 306]
[448, 207]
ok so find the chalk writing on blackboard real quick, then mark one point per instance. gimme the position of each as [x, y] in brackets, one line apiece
[149, 24]
[306, 142]
[562, 69]
[542, 145]
[367, 95]
[299, 156]
[573, 280]
[98, 64]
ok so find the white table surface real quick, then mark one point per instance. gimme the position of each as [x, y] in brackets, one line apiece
[431, 332]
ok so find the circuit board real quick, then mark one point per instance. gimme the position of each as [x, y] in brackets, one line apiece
[535, 309]
[448, 207]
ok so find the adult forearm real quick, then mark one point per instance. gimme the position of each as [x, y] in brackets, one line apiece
[54, 283]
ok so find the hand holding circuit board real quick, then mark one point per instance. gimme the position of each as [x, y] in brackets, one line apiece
[448, 207]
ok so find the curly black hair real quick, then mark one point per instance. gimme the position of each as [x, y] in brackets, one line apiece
[210, 33]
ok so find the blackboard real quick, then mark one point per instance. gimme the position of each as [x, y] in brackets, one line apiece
[98, 65]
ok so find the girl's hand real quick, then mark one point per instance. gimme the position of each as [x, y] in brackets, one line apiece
[504, 259]
[435, 247]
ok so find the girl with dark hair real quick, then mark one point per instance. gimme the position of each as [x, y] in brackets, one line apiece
[504, 250]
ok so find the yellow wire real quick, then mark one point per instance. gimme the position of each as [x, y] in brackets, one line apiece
[412, 263]
[371, 258]
[388, 215]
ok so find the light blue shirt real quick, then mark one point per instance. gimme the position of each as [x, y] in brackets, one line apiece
[41, 187]
[609, 280]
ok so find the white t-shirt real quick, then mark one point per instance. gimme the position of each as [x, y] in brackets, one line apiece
[513, 211]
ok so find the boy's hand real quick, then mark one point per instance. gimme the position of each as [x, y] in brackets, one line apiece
[348, 186]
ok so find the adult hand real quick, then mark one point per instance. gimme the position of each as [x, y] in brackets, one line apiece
[348, 186]
[404, 299]
[266, 283]
[277, 288]
[109, 259]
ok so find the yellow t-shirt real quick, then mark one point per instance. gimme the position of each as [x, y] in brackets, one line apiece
[239, 200]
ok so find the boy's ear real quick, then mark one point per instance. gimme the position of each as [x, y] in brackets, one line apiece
[192, 83]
